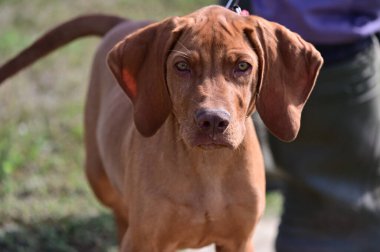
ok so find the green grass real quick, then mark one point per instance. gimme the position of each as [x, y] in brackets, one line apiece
[45, 202]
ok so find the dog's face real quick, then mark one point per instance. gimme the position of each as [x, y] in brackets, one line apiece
[212, 69]
[211, 74]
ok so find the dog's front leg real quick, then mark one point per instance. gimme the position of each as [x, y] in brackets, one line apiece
[245, 246]
[133, 242]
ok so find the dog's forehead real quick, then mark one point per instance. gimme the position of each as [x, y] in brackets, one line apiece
[212, 25]
[212, 12]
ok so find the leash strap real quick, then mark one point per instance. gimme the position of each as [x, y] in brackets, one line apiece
[234, 6]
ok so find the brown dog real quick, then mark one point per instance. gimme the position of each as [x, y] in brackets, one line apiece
[173, 152]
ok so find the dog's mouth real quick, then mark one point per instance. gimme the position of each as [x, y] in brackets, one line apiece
[211, 143]
[213, 146]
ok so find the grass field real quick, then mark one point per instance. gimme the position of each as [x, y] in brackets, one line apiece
[45, 202]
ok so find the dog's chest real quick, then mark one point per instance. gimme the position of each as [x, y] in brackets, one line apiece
[208, 211]
[192, 199]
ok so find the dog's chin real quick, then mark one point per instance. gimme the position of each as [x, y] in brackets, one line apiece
[207, 143]
[214, 146]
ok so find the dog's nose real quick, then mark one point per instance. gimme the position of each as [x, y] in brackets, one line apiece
[212, 121]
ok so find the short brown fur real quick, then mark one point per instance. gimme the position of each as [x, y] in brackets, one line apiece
[170, 184]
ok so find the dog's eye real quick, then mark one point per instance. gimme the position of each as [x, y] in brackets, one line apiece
[182, 66]
[243, 66]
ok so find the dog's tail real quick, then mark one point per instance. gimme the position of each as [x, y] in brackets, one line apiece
[61, 35]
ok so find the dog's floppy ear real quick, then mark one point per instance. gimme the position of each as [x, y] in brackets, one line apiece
[138, 63]
[288, 68]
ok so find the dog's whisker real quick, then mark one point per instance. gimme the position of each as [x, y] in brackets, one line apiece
[179, 42]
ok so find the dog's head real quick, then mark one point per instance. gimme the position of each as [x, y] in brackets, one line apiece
[212, 69]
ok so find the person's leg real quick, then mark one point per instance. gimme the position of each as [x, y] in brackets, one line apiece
[332, 195]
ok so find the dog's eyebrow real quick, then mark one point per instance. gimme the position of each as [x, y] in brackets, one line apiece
[184, 54]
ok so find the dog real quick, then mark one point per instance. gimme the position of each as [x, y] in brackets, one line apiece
[170, 145]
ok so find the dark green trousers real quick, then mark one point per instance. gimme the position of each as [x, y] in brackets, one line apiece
[332, 190]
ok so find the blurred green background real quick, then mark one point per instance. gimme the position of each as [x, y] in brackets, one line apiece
[45, 202]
